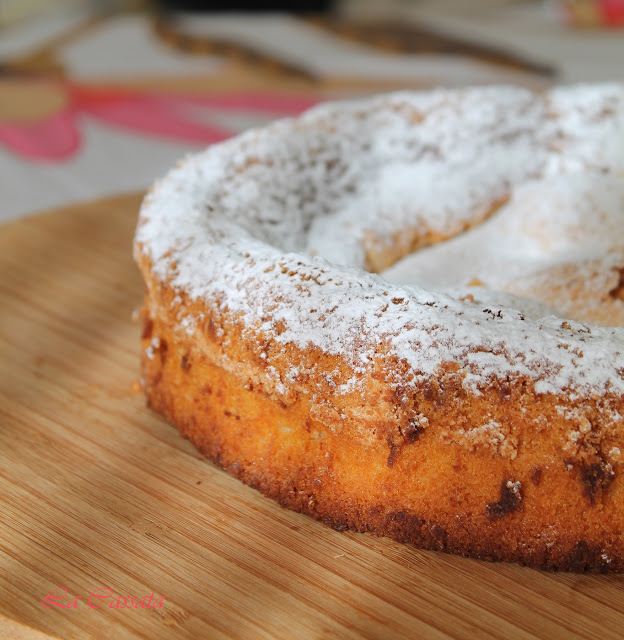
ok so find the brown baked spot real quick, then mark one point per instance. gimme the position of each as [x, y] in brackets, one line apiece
[184, 363]
[409, 433]
[536, 475]
[475, 282]
[163, 348]
[280, 327]
[504, 391]
[596, 478]
[394, 453]
[584, 557]
[510, 498]
[617, 293]
[406, 527]
[148, 327]
[412, 432]
[431, 390]
[211, 329]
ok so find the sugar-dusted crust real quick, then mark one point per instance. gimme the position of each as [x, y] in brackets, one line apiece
[449, 422]
[545, 508]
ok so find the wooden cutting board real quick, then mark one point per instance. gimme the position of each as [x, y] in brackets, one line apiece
[99, 495]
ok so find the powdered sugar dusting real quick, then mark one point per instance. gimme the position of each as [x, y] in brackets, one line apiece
[271, 224]
[551, 230]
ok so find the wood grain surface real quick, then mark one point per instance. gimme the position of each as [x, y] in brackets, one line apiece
[98, 492]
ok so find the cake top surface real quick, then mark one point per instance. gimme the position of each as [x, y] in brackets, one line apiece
[277, 226]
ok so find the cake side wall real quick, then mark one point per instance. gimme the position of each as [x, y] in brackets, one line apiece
[381, 472]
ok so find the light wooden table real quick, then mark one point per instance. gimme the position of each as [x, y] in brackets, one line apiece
[96, 492]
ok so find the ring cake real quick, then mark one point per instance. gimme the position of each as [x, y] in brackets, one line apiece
[402, 315]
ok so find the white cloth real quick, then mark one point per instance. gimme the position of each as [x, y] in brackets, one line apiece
[113, 160]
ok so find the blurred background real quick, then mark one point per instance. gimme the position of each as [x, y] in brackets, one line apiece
[98, 97]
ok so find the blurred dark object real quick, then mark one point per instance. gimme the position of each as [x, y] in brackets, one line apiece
[412, 38]
[390, 37]
[232, 6]
[167, 27]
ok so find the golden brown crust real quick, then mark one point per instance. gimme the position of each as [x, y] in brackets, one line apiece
[430, 482]
[482, 425]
